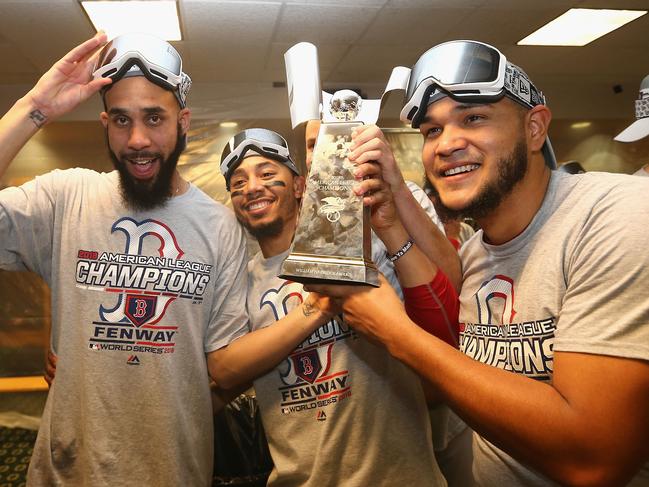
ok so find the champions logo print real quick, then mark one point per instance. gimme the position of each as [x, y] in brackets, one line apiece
[141, 286]
[307, 374]
[496, 340]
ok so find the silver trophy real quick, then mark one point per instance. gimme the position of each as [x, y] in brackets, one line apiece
[332, 241]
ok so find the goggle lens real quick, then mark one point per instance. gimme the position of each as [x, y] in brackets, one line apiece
[455, 63]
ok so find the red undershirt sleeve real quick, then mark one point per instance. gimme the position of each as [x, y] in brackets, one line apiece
[437, 313]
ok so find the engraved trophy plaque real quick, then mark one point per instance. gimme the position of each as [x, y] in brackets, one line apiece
[332, 240]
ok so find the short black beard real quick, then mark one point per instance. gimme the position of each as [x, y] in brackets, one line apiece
[511, 170]
[147, 195]
[272, 229]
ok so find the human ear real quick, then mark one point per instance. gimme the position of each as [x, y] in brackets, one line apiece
[184, 117]
[538, 122]
[299, 184]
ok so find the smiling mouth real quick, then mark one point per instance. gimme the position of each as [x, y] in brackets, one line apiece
[258, 205]
[461, 169]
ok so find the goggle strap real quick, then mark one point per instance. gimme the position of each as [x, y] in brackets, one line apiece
[180, 90]
[642, 108]
[519, 85]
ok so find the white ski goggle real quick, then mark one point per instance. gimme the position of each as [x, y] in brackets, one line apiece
[465, 70]
[146, 55]
[262, 141]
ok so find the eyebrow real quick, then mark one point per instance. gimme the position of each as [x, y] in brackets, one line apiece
[262, 165]
[461, 107]
[146, 110]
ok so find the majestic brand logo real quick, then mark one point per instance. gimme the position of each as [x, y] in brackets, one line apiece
[133, 360]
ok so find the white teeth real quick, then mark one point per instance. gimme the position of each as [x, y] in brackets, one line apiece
[461, 169]
[141, 163]
[258, 205]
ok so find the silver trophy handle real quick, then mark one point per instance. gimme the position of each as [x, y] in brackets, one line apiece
[303, 83]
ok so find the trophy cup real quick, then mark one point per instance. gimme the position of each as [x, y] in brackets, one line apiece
[332, 240]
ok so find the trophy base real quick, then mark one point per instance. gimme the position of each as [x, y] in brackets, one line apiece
[315, 269]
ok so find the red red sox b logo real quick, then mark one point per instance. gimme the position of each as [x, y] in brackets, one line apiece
[307, 365]
[140, 309]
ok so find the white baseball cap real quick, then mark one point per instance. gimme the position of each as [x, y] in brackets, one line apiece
[640, 128]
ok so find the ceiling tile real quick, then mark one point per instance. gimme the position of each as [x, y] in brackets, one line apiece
[323, 24]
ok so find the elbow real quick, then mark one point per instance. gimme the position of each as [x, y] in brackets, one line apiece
[221, 374]
[594, 475]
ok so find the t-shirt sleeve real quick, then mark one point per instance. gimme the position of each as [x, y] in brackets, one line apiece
[27, 215]
[605, 308]
[229, 318]
[424, 201]
[435, 308]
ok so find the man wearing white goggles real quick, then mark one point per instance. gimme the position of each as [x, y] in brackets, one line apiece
[553, 367]
[263, 142]
[143, 293]
[468, 71]
[297, 342]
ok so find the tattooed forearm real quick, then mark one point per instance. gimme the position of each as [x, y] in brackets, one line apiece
[308, 309]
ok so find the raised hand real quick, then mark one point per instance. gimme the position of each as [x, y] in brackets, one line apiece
[68, 82]
[369, 144]
[373, 157]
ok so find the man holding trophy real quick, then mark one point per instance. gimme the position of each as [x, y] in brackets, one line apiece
[319, 405]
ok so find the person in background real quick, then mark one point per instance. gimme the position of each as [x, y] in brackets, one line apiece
[456, 230]
[640, 128]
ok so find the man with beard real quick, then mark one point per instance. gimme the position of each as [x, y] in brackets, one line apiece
[553, 367]
[319, 404]
[142, 288]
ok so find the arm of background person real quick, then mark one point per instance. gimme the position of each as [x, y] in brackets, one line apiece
[255, 353]
[370, 145]
[67, 84]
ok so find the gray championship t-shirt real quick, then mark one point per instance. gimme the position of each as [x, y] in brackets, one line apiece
[138, 299]
[339, 410]
[574, 281]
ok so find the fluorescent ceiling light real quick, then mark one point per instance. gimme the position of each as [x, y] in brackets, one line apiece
[228, 125]
[579, 26]
[159, 18]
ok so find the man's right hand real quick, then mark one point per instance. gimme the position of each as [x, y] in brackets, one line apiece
[68, 82]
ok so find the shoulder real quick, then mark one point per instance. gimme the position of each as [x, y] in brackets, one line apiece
[199, 201]
[611, 193]
[77, 175]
